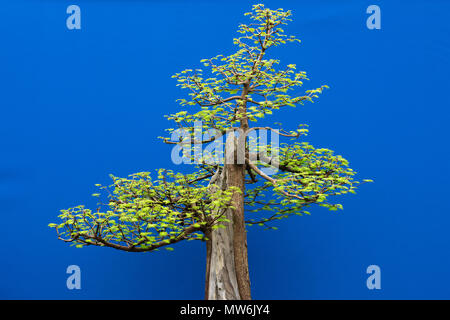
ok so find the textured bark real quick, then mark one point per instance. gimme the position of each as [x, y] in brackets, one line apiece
[208, 263]
[236, 178]
[227, 276]
[221, 280]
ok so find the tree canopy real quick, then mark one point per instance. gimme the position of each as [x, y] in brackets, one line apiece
[145, 212]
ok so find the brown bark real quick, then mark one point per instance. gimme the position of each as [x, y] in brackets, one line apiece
[208, 262]
[236, 179]
[236, 173]
[227, 275]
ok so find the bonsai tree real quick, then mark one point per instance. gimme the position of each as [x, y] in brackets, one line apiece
[250, 183]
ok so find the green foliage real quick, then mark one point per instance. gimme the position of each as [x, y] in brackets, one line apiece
[219, 93]
[307, 176]
[144, 214]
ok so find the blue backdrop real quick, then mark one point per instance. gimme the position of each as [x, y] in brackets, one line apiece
[77, 105]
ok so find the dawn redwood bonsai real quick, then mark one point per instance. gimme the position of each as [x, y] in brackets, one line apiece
[250, 183]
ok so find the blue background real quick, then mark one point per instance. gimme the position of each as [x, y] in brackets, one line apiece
[79, 105]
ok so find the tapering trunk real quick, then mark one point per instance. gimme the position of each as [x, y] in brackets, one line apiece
[227, 275]
[221, 274]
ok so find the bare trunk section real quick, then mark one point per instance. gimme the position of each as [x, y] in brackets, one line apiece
[236, 179]
[221, 280]
[227, 275]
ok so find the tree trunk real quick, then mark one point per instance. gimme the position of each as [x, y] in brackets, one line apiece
[227, 275]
